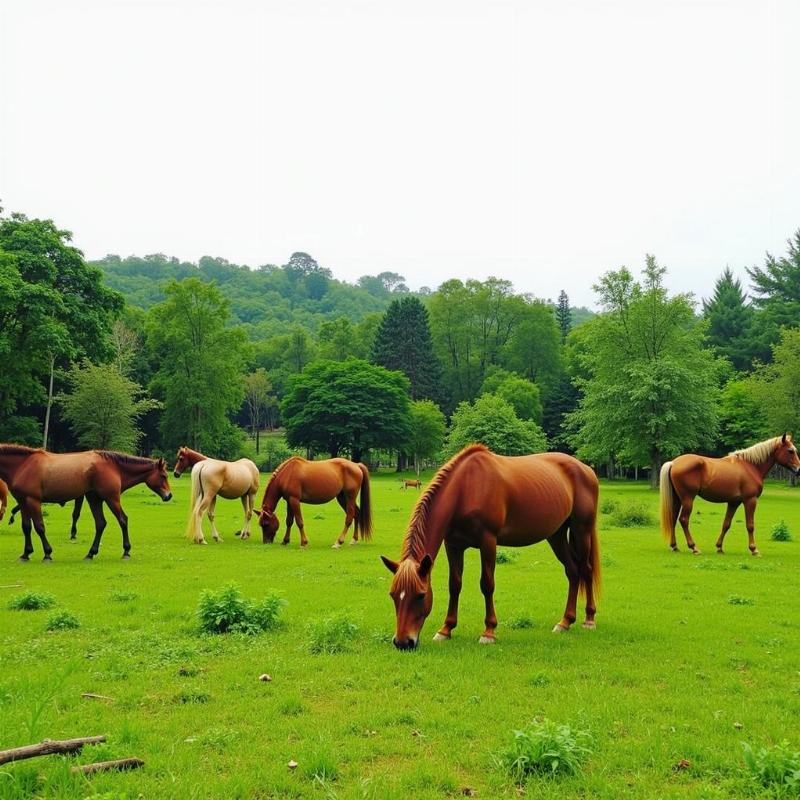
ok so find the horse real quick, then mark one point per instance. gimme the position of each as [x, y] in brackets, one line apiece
[36, 476]
[480, 499]
[736, 479]
[415, 484]
[76, 514]
[212, 477]
[299, 481]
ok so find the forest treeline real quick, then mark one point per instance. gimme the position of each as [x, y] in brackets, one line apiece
[149, 353]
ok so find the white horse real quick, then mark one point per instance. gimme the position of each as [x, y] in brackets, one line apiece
[212, 477]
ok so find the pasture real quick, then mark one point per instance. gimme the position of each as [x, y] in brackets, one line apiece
[692, 656]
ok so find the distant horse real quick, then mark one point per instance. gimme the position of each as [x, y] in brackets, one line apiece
[76, 513]
[299, 481]
[36, 476]
[736, 479]
[4, 500]
[415, 484]
[211, 477]
[479, 499]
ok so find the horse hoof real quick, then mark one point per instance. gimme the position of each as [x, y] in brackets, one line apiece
[202, 541]
[441, 637]
[88, 558]
[559, 628]
[675, 550]
[755, 553]
[353, 541]
[695, 552]
[47, 558]
[720, 551]
[336, 545]
[24, 558]
[126, 556]
[486, 640]
[590, 625]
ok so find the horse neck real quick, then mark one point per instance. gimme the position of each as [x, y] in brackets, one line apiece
[764, 468]
[133, 474]
[192, 456]
[10, 463]
[428, 538]
[273, 493]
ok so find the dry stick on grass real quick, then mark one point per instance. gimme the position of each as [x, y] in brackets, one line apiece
[102, 766]
[48, 747]
[92, 696]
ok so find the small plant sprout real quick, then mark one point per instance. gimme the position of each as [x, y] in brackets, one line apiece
[331, 635]
[228, 611]
[781, 532]
[63, 621]
[31, 601]
[776, 768]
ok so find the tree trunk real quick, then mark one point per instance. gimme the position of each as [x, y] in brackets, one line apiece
[257, 441]
[49, 403]
[357, 453]
[655, 468]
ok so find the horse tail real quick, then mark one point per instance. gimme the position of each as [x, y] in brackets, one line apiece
[364, 516]
[667, 493]
[593, 578]
[194, 530]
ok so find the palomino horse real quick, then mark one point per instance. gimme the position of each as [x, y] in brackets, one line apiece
[736, 479]
[36, 476]
[479, 499]
[210, 478]
[299, 481]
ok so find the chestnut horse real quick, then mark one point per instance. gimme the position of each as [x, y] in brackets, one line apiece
[212, 477]
[479, 499]
[736, 479]
[36, 476]
[414, 484]
[299, 481]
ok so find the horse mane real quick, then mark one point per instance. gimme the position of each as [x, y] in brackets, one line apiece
[125, 458]
[414, 542]
[280, 469]
[758, 453]
[17, 449]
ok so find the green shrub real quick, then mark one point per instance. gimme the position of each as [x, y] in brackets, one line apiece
[633, 515]
[545, 748]
[227, 611]
[781, 532]
[609, 505]
[520, 622]
[506, 557]
[776, 768]
[31, 601]
[62, 621]
[331, 635]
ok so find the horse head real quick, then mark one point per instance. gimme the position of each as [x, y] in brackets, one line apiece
[412, 594]
[157, 480]
[786, 454]
[268, 520]
[182, 463]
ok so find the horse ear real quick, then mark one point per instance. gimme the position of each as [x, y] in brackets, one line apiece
[392, 566]
[783, 440]
[161, 463]
[425, 566]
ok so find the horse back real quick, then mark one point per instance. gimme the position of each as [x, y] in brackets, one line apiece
[719, 480]
[59, 477]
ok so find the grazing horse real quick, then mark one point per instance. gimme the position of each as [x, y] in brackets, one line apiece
[479, 499]
[736, 479]
[36, 476]
[415, 484]
[299, 481]
[212, 477]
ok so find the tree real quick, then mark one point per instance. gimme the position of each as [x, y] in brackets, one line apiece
[403, 342]
[258, 398]
[651, 389]
[776, 386]
[428, 427]
[104, 406]
[741, 419]
[200, 366]
[523, 395]
[730, 322]
[563, 315]
[338, 340]
[490, 420]
[347, 406]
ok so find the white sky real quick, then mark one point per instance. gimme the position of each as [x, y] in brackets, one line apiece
[544, 142]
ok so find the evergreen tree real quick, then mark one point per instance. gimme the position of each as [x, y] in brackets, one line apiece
[563, 315]
[404, 343]
[730, 321]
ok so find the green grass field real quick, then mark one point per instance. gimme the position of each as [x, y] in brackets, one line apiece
[692, 656]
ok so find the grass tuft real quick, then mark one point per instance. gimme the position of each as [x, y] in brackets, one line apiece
[62, 621]
[32, 601]
[331, 635]
[738, 600]
[776, 768]
[632, 515]
[781, 532]
[506, 557]
[609, 505]
[228, 611]
[520, 622]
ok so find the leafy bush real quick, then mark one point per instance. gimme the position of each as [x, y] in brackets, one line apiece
[506, 557]
[331, 635]
[633, 515]
[781, 532]
[609, 506]
[31, 601]
[227, 611]
[776, 768]
[520, 622]
[545, 748]
[62, 621]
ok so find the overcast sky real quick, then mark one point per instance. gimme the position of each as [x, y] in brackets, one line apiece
[545, 142]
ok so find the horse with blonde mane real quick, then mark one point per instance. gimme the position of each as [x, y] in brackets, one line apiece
[736, 479]
[212, 477]
[479, 499]
[298, 481]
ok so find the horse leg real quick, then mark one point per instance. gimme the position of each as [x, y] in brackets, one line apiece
[687, 502]
[726, 524]
[349, 508]
[488, 555]
[35, 512]
[96, 507]
[298, 515]
[749, 516]
[580, 541]
[26, 532]
[76, 513]
[122, 518]
[560, 546]
[289, 521]
[246, 505]
[211, 513]
[455, 558]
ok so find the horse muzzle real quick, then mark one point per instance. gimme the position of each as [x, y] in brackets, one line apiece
[166, 497]
[176, 474]
[409, 643]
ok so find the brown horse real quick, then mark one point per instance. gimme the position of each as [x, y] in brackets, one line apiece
[736, 479]
[479, 499]
[231, 480]
[299, 481]
[414, 484]
[36, 476]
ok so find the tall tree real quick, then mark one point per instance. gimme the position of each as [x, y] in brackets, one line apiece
[730, 321]
[651, 389]
[777, 386]
[428, 428]
[347, 407]
[523, 395]
[403, 342]
[563, 315]
[258, 399]
[200, 364]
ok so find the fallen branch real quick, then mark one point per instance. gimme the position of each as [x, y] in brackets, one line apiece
[91, 696]
[47, 748]
[103, 766]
